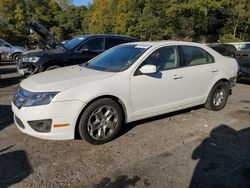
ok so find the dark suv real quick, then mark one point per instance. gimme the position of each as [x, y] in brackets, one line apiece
[76, 51]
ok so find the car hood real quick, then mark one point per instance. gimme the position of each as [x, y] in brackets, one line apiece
[46, 38]
[63, 78]
[40, 53]
[20, 48]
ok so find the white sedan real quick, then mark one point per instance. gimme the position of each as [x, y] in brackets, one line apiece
[126, 83]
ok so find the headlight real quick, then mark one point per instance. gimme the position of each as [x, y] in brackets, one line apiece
[37, 99]
[30, 59]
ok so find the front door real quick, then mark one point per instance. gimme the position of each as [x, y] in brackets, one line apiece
[88, 50]
[156, 92]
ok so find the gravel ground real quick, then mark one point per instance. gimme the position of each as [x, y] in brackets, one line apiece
[189, 148]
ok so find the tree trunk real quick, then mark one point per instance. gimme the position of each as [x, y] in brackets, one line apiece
[236, 25]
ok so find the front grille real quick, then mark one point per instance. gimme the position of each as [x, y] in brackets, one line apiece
[19, 122]
[20, 96]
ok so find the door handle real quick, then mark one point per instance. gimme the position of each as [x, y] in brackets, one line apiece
[177, 77]
[214, 70]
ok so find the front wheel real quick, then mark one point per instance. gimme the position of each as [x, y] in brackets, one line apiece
[53, 67]
[101, 121]
[16, 57]
[218, 96]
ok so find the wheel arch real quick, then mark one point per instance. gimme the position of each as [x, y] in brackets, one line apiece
[15, 53]
[52, 63]
[114, 98]
[223, 79]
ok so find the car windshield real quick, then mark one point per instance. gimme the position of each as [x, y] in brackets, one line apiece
[74, 43]
[118, 58]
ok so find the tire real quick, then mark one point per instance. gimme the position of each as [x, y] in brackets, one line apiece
[16, 57]
[52, 67]
[96, 115]
[218, 96]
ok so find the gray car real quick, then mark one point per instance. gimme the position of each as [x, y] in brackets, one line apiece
[9, 52]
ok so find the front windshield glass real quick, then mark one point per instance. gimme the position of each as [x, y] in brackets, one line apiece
[74, 43]
[118, 58]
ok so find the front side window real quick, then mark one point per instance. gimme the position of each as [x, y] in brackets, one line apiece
[117, 59]
[164, 58]
[74, 43]
[95, 44]
[195, 56]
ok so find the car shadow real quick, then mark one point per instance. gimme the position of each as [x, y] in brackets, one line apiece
[224, 159]
[7, 70]
[6, 63]
[129, 126]
[244, 82]
[6, 116]
[6, 82]
[14, 167]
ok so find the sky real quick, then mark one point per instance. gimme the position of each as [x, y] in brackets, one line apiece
[82, 2]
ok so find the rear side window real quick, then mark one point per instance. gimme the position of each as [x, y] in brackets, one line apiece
[193, 55]
[111, 42]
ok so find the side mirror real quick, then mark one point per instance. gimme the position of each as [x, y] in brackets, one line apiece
[148, 69]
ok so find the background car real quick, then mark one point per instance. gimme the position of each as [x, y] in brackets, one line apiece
[129, 82]
[243, 58]
[76, 51]
[9, 52]
[245, 46]
[224, 49]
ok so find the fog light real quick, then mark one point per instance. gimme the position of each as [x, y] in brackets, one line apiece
[43, 126]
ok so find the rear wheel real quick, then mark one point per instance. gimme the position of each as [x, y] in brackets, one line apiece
[101, 121]
[218, 96]
[53, 67]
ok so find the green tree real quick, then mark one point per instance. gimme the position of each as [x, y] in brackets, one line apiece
[102, 17]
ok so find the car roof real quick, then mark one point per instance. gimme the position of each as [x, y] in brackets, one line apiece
[107, 35]
[167, 42]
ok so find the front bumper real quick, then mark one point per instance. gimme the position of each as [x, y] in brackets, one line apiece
[66, 112]
[26, 68]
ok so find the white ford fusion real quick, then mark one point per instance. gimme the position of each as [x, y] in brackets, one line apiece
[126, 83]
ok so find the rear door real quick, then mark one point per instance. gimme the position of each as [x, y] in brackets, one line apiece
[5, 50]
[199, 70]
